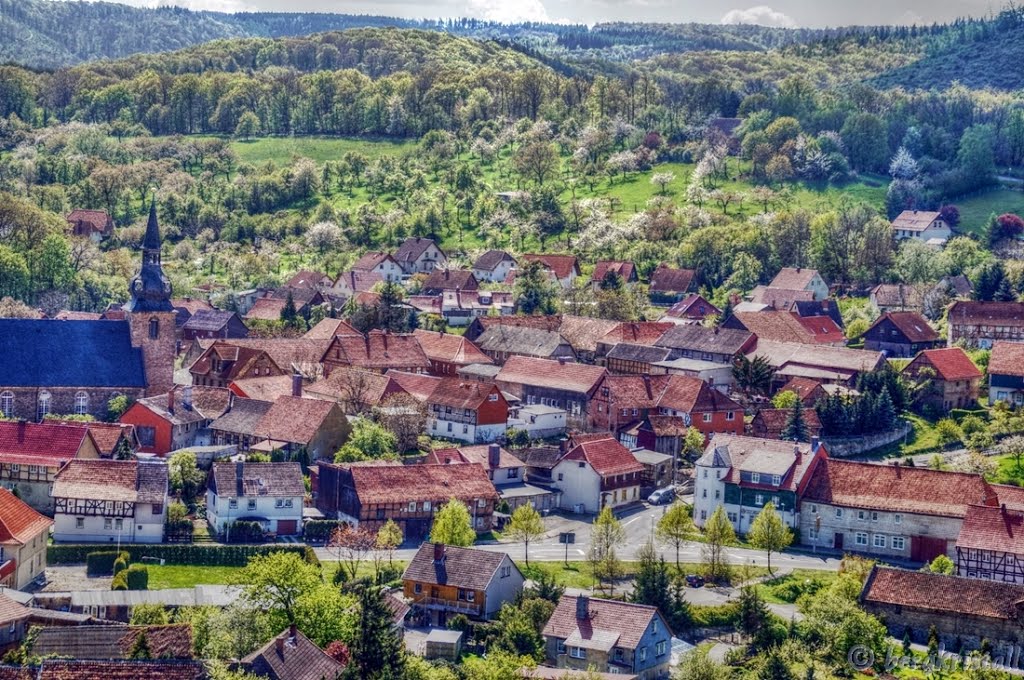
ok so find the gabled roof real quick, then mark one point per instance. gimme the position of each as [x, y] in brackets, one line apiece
[257, 479]
[523, 340]
[915, 220]
[288, 353]
[792, 461]
[640, 353]
[793, 278]
[294, 419]
[897, 488]
[635, 391]
[995, 528]
[207, 403]
[636, 332]
[1007, 358]
[563, 266]
[83, 354]
[413, 248]
[267, 309]
[912, 325]
[701, 339]
[605, 454]
[780, 326]
[266, 387]
[378, 350]
[97, 219]
[625, 621]
[63, 669]
[782, 299]
[490, 260]
[358, 280]
[473, 454]
[583, 332]
[292, 656]
[11, 611]
[450, 348]
[233, 360]
[397, 483]
[773, 421]
[40, 443]
[804, 388]
[371, 260]
[822, 329]
[242, 417]
[568, 376]
[112, 642]
[209, 320]
[967, 596]
[346, 384]
[467, 568]
[986, 313]
[693, 306]
[671, 280]
[19, 523]
[112, 480]
[692, 395]
[950, 363]
[624, 268]
[794, 358]
[450, 279]
[418, 385]
[327, 328]
[898, 295]
[462, 394]
[306, 278]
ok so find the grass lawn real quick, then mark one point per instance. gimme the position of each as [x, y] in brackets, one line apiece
[975, 210]
[186, 576]
[923, 439]
[1009, 471]
[280, 150]
[578, 574]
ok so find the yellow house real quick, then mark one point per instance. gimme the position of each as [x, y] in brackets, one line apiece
[23, 537]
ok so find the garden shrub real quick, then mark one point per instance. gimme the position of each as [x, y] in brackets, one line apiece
[101, 562]
[137, 577]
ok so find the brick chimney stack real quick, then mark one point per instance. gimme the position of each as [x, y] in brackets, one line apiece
[296, 385]
[493, 456]
[582, 607]
[170, 401]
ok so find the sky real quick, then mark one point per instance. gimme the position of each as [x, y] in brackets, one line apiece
[787, 13]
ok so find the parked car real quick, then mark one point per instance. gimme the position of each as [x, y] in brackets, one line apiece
[660, 496]
[694, 581]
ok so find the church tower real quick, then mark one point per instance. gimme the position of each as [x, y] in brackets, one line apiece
[151, 315]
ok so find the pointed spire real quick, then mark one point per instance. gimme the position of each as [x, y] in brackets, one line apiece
[152, 240]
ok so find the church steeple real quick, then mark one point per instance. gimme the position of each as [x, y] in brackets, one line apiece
[150, 289]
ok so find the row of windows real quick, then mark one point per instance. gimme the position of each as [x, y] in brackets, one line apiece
[43, 403]
[755, 478]
[862, 515]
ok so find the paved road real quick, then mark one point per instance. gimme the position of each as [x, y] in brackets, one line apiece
[639, 525]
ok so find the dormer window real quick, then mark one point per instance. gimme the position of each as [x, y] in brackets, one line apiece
[755, 477]
[776, 480]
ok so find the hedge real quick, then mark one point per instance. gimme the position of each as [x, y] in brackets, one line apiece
[137, 577]
[100, 562]
[197, 554]
[181, 531]
[244, 532]
[318, 531]
[120, 581]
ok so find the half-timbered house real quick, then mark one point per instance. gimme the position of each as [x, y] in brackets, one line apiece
[991, 544]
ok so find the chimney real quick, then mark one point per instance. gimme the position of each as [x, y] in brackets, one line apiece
[898, 471]
[279, 643]
[561, 360]
[563, 445]
[582, 607]
[493, 456]
[293, 631]
[170, 401]
[22, 426]
[1002, 509]
[438, 553]
[296, 385]
[186, 397]
[815, 444]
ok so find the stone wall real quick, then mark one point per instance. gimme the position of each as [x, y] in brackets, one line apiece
[846, 447]
[62, 400]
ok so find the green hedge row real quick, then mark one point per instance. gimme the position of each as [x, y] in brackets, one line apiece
[137, 577]
[318, 531]
[244, 532]
[197, 554]
[103, 562]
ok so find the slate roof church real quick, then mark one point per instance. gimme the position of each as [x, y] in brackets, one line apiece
[66, 366]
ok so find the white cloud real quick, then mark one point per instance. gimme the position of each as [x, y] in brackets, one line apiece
[761, 15]
[507, 11]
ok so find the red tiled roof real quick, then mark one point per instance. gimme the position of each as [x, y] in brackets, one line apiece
[671, 280]
[467, 568]
[114, 480]
[606, 455]
[770, 422]
[265, 388]
[437, 483]
[413, 248]
[368, 261]
[11, 611]
[950, 363]
[635, 391]
[490, 260]
[379, 350]
[472, 454]
[624, 268]
[105, 435]
[897, 488]
[583, 332]
[19, 523]
[992, 528]
[63, 669]
[911, 324]
[779, 326]
[294, 419]
[354, 385]
[804, 388]
[793, 279]
[298, 658]
[915, 220]
[636, 332]
[572, 377]
[628, 620]
[327, 328]
[562, 265]
[450, 348]
[823, 329]
[692, 395]
[782, 299]
[40, 443]
[1007, 358]
[358, 280]
[693, 306]
[462, 394]
[918, 590]
[97, 219]
[308, 279]
[268, 309]
[987, 313]
[236, 361]
[898, 295]
[418, 385]
[450, 279]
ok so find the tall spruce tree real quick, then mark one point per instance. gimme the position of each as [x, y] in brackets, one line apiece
[795, 429]
[376, 652]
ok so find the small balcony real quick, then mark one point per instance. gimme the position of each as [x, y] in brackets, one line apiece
[7, 570]
[457, 606]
